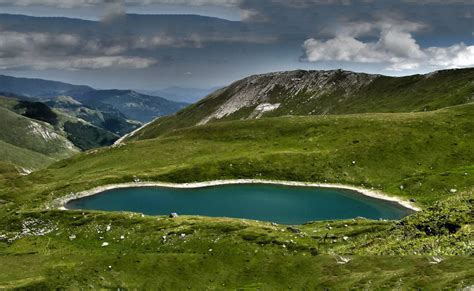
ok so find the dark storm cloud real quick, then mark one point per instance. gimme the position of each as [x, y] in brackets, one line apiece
[403, 35]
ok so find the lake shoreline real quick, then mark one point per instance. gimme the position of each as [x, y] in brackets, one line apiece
[60, 203]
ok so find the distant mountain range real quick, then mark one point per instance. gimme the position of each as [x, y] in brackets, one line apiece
[67, 118]
[319, 93]
[180, 94]
[131, 104]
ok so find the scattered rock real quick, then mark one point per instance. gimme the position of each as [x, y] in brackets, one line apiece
[453, 190]
[342, 260]
[108, 228]
[345, 238]
[274, 224]
[293, 229]
[210, 250]
[72, 237]
[104, 244]
[173, 215]
[122, 237]
[402, 187]
[353, 162]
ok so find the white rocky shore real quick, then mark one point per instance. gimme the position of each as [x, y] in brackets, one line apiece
[60, 203]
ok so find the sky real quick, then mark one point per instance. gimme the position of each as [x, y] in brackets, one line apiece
[153, 44]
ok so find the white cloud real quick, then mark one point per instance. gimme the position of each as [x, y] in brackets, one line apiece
[92, 3]
[395, 48]
[71, 51]
[42, 51]
[76, 63]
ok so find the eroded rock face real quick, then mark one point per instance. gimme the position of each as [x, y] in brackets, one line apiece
[268, 92]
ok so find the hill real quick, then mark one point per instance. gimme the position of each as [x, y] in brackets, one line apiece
[379, 150]
[37, 87]
[31, 144]
[81, 133]
[346, 149]
[302, 93]
[122, 105]
[133, 105]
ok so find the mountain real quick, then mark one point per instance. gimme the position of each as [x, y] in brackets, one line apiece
[131, 104]
[37, 87]
[28, 140]
[426, 157]
[118, 107]
[110, 120]
[180, 94]
[303, 93]
[81, 133]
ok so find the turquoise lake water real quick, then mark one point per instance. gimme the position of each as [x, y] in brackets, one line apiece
[281, 204]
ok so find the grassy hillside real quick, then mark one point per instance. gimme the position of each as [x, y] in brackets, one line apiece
[81, 133]
[28, 142]
[321, 93]
[429, 153]
[24, 159]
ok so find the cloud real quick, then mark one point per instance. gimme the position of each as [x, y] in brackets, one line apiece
[395, 48]
[41, 51]
[95, 3]
[113, 9]
[76, 63]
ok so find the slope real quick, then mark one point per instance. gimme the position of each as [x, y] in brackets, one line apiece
[122, 105]
[81, 133]
[30, 143]
[321, 93]
[420, 156]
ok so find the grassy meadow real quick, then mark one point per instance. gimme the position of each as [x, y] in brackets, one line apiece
[430, 154]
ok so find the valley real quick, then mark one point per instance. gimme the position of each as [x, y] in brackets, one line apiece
[382, 148]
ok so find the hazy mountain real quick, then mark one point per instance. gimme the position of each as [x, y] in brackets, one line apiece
[180, 94]
[121, 104]
[37, 87]
[131, 104]
[319, 93]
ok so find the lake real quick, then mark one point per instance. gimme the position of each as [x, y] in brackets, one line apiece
[276, 203]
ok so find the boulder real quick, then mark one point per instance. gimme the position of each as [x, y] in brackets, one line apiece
[293, 229]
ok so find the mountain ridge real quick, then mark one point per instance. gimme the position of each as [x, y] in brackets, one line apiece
[310, 93]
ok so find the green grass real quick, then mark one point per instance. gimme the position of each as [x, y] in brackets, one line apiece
[384, 94]
[20, 145]
[428, 153]
[23, 158]
[220, 253]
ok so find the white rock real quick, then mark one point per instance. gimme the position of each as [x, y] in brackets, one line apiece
[108, 228]
[122, 237]
[72, 237]
[453, 190]
[345, 238]
[104, 244]
[210, 250]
